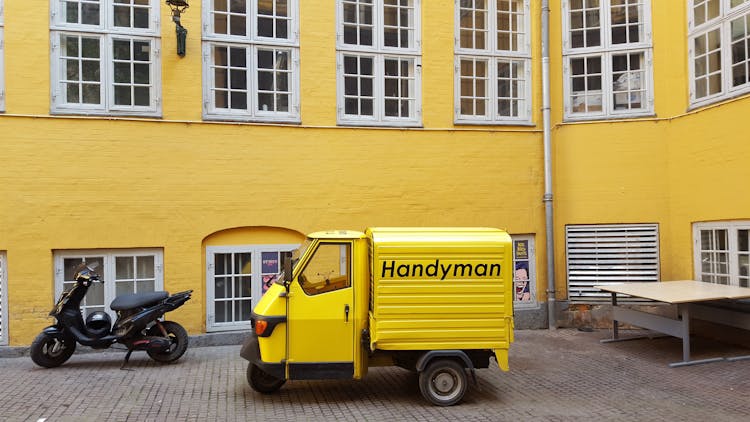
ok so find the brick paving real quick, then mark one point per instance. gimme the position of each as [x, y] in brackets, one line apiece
[555, 376]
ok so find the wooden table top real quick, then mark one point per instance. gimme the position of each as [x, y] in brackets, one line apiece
[681, 291]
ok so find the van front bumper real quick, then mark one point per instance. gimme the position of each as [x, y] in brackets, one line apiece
[251, 352]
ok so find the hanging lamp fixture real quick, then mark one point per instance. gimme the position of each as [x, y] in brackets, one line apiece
[178, 7]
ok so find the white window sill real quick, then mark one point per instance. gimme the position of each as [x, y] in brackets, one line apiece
[572, 119]
[102, 113]
[369, 123]
[466, 122]
[716, 100]
[247, 119]
[229, 326]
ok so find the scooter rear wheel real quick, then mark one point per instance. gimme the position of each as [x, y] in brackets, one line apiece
[176, 334]
[49, 351]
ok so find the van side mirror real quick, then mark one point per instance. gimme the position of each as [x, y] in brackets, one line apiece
[287, 267]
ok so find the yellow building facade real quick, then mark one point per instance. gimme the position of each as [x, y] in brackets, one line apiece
[202, 171]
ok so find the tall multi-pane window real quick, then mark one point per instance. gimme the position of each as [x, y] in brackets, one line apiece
[607, 63]
[722, 252]
[493, 61]
[2, 55]
[379, 62]
[105, 57]
[719, 49]
[251, 60]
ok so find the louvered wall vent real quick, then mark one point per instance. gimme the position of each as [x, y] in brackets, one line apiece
[609, 254]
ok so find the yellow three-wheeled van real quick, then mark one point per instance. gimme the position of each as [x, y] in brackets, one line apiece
[435, 300]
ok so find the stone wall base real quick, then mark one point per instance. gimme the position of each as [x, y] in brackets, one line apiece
[599, 317]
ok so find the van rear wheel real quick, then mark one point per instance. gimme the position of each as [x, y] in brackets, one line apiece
[443, 382]
[262, 381]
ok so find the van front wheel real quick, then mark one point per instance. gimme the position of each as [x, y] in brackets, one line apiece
[262, 381]
[443, 382]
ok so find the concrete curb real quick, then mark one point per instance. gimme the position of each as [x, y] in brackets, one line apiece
[230, 338]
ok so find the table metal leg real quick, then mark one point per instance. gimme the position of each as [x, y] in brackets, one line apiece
[615, 328]
[684, 311]
[616, 325]
[685, 315]
[679, 328]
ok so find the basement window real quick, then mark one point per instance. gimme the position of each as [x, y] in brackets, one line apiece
[722, 252]
[123, 271]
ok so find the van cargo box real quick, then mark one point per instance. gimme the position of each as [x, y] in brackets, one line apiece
[440, 288]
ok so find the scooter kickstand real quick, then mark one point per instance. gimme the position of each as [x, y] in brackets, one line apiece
[127, 358]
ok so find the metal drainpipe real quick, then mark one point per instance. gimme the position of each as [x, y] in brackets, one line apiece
[548, 210]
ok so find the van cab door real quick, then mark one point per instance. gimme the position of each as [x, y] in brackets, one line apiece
[320, 315]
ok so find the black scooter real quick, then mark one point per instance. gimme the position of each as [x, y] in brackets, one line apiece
[137, 326]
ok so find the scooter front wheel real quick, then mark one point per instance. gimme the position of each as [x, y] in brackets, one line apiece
[176, 334]
[49, 351]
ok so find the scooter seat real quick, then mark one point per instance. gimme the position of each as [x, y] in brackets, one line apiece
[135, 300]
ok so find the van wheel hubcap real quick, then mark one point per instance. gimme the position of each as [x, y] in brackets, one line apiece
[444, 383]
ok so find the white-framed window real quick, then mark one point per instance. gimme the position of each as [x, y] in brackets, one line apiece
[122, 270]
[379, 63]
[607, 59]
[105, 57]
[719, 49]
[722, 252]
[3, 300]
[524, 272]
[601, 254]
[236, 278]
[492, 62]
[251, 60]
[2, 56]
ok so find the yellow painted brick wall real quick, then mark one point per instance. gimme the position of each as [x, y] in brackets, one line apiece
[676, 168]
[178, 183]
[174, 183]
[92, 183]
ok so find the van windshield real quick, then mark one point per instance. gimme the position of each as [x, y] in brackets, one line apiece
[294, 255]
[297, 253]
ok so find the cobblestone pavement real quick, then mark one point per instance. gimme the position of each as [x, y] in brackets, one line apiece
[556, 375]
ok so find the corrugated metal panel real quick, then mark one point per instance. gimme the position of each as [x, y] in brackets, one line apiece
[609, 254]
